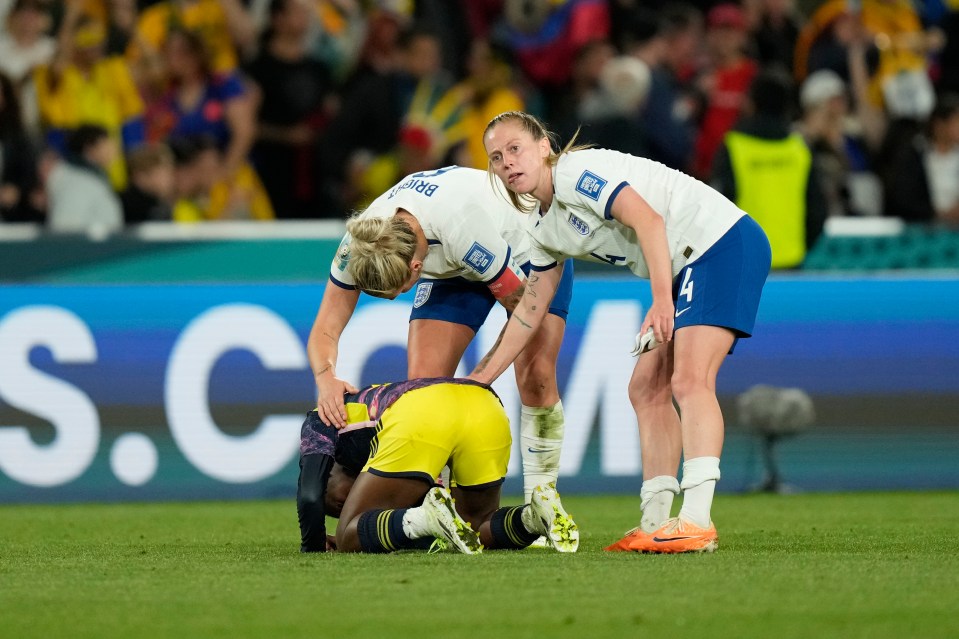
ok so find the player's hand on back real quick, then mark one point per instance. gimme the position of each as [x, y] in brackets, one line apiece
[329, 401]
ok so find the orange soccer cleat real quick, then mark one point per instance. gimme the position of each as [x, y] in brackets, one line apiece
[677, 535]
[623, 545]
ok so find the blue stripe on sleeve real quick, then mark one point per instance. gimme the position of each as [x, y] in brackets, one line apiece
[505, 266]
[608, 213]
[540, 269]
[348, 287]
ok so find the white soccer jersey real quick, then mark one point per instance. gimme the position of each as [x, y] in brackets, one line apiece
[579, 222]
[473, 231]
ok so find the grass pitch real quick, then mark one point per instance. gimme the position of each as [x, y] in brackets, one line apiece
[843, 565]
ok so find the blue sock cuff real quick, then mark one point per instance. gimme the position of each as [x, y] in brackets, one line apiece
[382, 531]
[508, 531]
[367, 531]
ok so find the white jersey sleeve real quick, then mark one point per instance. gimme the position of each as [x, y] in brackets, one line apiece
[579, 222]
[590, 182]
[472, 231]
[339, 273]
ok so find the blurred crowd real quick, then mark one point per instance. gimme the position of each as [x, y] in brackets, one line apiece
[114, 112]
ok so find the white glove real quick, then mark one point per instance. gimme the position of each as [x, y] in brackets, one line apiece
[645, 342]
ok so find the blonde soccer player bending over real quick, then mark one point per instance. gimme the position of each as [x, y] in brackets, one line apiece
[464, 248]
[707, 262]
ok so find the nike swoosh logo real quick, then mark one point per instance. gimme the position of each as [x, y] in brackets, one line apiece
[660, 539]
[678, 313]
[539, 450]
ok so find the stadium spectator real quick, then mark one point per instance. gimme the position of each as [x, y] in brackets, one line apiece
[768, 171]
[588, 64]
[672, 107]
[386, 499]
[224, 25]
[774, 36]
[611, 114]
[25, 42]
[392, 90]
[206, 193]
[924, 175]
[546, 36]
[898, 42]
[294, 110]
[84, 86]
[468, 248]
[489, 88]
[151, 193]
[707, 262]
[19, 201]
[202, 103]
[725, 83]
[843, 141]
[122, 16]
[78, 189]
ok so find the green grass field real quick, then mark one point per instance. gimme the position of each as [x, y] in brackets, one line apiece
[843, 565]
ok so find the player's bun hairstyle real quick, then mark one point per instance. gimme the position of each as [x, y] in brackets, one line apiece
[380, 253]
[532, 125]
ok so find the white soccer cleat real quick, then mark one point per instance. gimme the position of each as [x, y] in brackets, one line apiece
[446, 525]
[540, 543]
[551, 519]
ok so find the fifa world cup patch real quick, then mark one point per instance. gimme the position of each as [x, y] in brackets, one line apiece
[423, 290]
[590, 185]
[479, 258]
[342, 256]
[580, 225]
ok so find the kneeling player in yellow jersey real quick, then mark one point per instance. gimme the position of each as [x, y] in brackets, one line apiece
[377, 474]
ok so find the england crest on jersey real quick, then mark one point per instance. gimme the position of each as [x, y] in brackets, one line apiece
[423, 290]
[580, 225]
[590, 185]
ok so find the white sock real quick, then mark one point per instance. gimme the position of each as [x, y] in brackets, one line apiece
[415, 523]
[541, 441]
[657, 501]
[699, 483]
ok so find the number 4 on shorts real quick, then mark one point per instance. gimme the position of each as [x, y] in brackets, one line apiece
[687, 287]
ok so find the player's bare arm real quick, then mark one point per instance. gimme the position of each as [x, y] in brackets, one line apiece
[523, 323]
[335, 312]
[631, 209]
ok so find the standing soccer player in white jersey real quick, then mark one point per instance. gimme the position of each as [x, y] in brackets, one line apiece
[467, 248]
[707, 262]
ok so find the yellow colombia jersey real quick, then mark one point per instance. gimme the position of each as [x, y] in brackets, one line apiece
[205, 17]
[217, 205]
[428, 423]
[106, 97]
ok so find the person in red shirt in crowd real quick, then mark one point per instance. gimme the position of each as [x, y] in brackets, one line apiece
[726, 84]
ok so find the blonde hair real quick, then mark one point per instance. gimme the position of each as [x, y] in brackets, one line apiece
[535, 127]
[381, 250]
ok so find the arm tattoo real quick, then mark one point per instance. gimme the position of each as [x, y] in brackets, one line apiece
[332, 339]
[520, 320]
[320, 372]
[529, 285]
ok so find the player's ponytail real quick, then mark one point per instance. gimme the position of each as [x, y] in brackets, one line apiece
[381, 250]
[535, 127]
